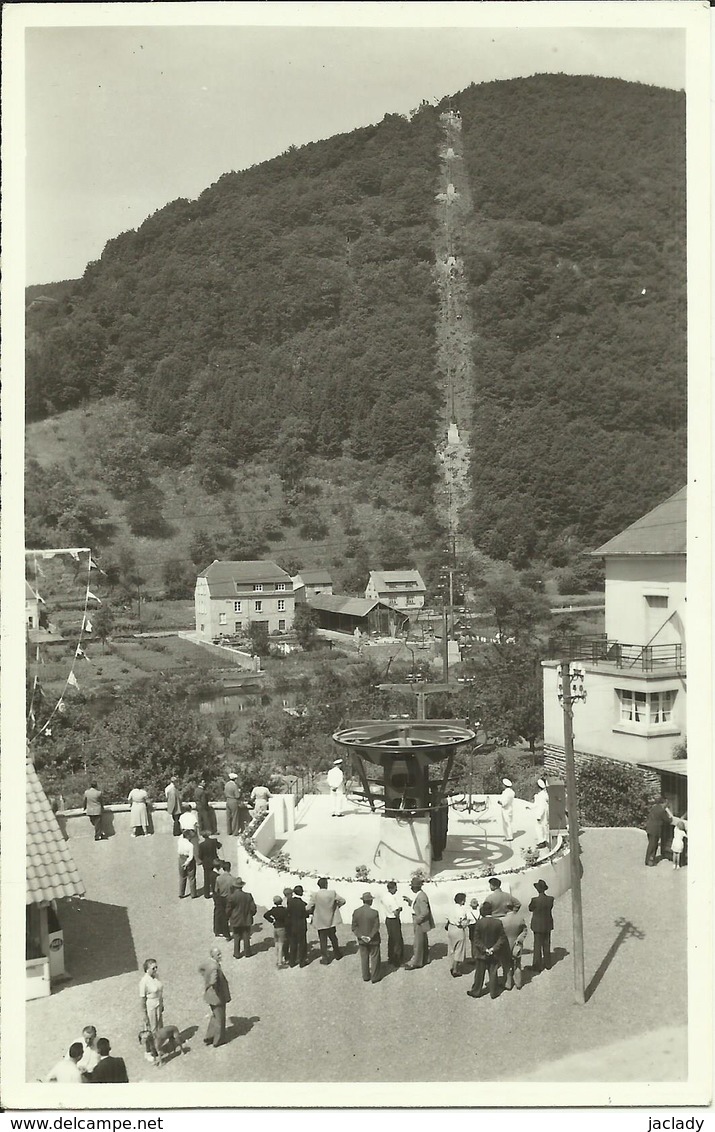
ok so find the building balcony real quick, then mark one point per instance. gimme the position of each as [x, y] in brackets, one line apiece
[598, 650]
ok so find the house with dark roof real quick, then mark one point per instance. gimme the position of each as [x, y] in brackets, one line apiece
[51, 876]
[231, 596]
[311, 583]
[402, 589]
[342, 614]
[635, 674]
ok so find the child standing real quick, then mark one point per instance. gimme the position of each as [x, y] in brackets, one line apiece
[678, 843]
[278, 916]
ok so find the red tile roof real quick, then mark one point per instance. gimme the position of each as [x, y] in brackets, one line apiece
[51, 872]
[662, 531]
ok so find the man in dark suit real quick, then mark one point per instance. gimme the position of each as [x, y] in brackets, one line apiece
[241, 908]
[542, 925]
[656, 822]
[492, 951]
[208, 855]
[297, 928]
[108, 1070]
[217, 995]
[366, 926]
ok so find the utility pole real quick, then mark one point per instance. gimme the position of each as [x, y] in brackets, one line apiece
[567, 697]
[445, 647]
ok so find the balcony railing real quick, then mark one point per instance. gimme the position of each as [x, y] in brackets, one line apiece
[599, 650]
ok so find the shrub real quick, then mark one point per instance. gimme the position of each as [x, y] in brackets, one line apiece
[612, 794]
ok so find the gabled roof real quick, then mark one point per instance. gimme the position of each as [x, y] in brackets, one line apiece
[222, 576]
[662, 531]
[51, 872]
[313, 577]
[393, 579]
[341, 603]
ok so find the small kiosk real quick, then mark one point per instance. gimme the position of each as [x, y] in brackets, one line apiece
[51, 876]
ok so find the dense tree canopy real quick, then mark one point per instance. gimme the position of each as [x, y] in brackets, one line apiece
[291, 309]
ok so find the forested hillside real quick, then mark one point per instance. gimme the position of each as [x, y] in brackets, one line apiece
[285, 321]
[575, 253]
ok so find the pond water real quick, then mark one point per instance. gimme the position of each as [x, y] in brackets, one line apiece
[241, 700]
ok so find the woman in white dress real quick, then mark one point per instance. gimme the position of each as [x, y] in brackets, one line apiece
[259, 797]
[457, 928]
[139, 814]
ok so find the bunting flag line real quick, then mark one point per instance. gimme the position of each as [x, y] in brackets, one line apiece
[93, 596]
[73, 683]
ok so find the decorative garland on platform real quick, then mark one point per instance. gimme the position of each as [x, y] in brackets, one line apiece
[246, 838]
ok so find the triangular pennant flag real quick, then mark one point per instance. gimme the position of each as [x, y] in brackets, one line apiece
[32, 716]
[75, 555]
[87, 627]
[92, 564]
[40, 598]
[72, 680]
[93, 596]
[61, 706]
[80, 652]
[47, 553]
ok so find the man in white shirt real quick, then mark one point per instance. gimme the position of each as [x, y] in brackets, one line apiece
[187, 865]
[189, 821]
[89, 1057]
[336, 782]
[506, 801]
[392, 905]
[66, 1071]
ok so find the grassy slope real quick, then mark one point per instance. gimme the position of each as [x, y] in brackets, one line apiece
[70, 441]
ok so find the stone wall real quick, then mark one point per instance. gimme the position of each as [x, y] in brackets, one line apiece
[115, 821]
[555, 763]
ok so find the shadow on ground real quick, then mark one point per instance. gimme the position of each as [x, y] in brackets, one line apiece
[98, 941]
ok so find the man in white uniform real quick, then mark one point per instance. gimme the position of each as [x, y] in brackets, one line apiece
[336, 782]
[506, 801]
[541, 813]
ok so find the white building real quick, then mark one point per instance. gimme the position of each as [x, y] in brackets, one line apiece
[231, 596]
[402, 589]
[635, 707]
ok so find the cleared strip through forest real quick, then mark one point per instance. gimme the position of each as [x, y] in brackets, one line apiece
[454, 331]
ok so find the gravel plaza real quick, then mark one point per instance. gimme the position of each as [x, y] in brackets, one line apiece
[290, 1025]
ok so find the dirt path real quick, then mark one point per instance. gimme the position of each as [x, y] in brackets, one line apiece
[454, 330]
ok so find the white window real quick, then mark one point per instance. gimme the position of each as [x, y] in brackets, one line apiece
[258, 587]
[281, 626]
[410, 600]
[236, 607]
[281, 586]
[259, 607]
[222, 618]
[281, 604]
[661, 706]
[648, 708]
